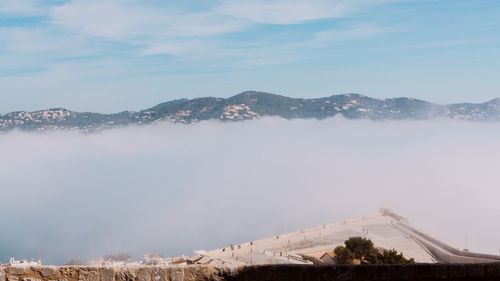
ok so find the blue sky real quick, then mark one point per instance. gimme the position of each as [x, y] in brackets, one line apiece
[112, 55]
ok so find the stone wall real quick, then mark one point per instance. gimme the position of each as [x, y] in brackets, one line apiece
[417, 272]
[75, 273]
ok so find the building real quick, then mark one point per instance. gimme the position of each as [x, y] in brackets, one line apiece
[23, 263]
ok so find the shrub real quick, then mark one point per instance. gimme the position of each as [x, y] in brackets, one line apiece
[363, 250]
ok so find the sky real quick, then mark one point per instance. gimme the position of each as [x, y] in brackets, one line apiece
[113, 55]
[172, 189]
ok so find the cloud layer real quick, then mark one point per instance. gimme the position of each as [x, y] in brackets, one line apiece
[173, 189]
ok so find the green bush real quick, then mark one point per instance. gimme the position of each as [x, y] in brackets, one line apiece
[343, 255]
[362, 249]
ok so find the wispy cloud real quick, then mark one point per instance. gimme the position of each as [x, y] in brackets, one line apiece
[179, 48]
[22, 8]
[79, 27]
[154, 29]
[284, 12]
[167, 29]
[352, 33]
[293, 12]
[130, 19]
[37, 40]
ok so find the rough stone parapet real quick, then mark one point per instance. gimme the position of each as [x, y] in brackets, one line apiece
[416, 272]
[83, 273]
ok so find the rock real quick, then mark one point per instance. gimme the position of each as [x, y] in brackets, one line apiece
[2, 274]
[107, 274]
[381, 272]
[31, 279]
[68, 273]
[491, 270]
[88, 274]
[126, 274]
[289, 273]
[47, 271]
[177, 274]
[198, 273]
[12, 278]
[365, 273]
[18, 270]
[440, 271]
[423, 271]
[456, 271]
[144, 274]
[157, 274]
[400, 272]
[475, 270]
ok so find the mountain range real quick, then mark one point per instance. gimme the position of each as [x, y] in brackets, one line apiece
[252, 105]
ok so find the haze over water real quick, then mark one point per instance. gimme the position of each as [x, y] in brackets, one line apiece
[173, 189]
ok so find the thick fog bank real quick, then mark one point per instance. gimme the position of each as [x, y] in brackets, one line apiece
[172, 189]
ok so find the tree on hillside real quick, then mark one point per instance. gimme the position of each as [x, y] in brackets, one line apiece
[343, 255]
[363, 250]
[392, 257]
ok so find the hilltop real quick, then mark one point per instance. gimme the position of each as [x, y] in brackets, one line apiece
[252, 105]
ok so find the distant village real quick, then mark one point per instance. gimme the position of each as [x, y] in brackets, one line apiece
[112, 261]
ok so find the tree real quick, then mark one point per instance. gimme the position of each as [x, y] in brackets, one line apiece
[393, 257]
[362, 249]
[343, 255]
